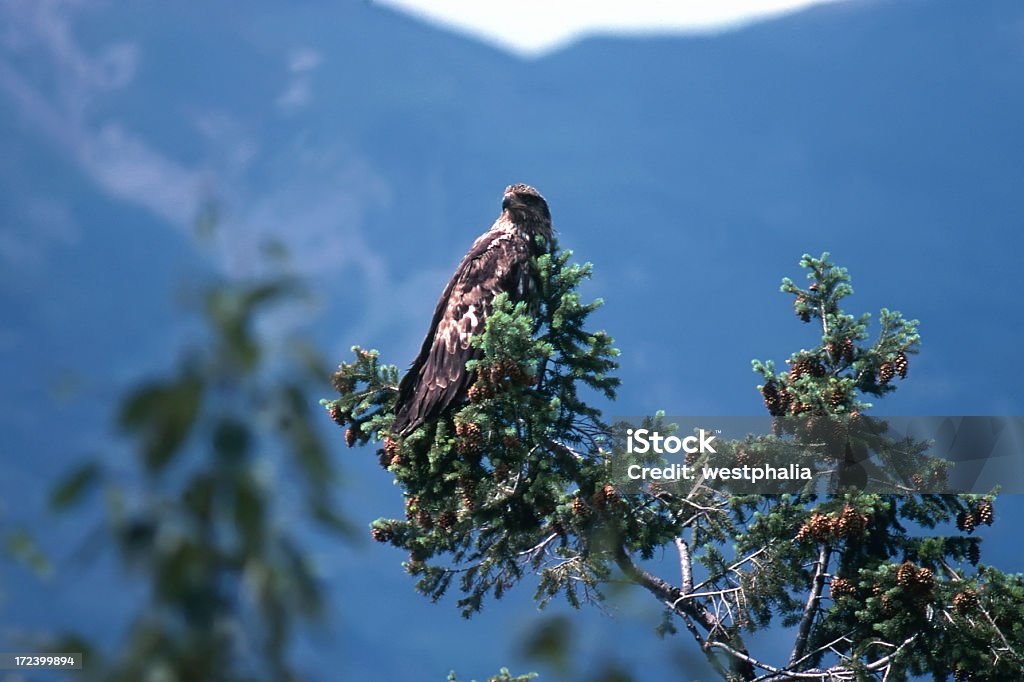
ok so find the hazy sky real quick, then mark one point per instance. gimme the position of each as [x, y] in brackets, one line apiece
[535, 26]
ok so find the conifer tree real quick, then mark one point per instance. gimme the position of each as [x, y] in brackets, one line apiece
[517, 482]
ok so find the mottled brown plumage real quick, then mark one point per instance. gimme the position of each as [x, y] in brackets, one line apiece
[499, 261]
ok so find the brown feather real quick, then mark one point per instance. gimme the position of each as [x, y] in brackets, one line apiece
[499, 261]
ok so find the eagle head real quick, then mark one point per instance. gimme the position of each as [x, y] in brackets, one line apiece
[524, 204]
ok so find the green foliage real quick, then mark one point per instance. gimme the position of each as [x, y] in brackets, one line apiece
[220, 443]
[498, 488]
[503, 676]
[516, 483]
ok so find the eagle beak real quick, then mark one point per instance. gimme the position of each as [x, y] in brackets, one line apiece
[510, 201]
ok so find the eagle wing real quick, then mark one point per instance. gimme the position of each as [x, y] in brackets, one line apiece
[499, 261]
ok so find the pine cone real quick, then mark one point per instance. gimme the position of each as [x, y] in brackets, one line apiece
[423, 518]
[468, 488]
[743, 457]
[805, 366]
[901, 364]
[382, 534]
[974, 553]
[965, 601]
[885, 373]
[606, 497]
[818, 527]
[580, 508]
[924, 581]
[799, 407]
[906, 574]
[776, 401]
[447, 519]
[392, 453]
[338, 415]
[984, 512]
[412, 505]
[965, 521]
[836, 397]
[469, 438]
[847, 350]
[842, 586]
[479, 391]
[851, 523]
[351, 435]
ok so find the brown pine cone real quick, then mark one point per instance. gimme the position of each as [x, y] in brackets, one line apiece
[901, 364]
[851, 523]
[805, 366]
[423, 518]
[351, 435]
[479, 391]
[965, 601]
[447, 519]
[965, 521]
[606, 497]
[818, 527]
[469, 438]
[906, 574]
[468, 488]
[776, 400]
[974, 553]
[885, 373]
[984, 512]
[337, 415]
[846, 350]
[836, 397]
[381, 534]
[842, 586]
[579, 507]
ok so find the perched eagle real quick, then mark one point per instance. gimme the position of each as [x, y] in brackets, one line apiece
[499, 261]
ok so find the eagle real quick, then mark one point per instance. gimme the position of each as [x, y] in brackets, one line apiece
[500, 261]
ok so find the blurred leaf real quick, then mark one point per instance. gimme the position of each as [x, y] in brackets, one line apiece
[249, 512]
[304, 585]
[199, 495]
[314, 461]
[163, 414]
[550, 642]
[73, 487]
[23, 548]
[231, 440]
[137, 534]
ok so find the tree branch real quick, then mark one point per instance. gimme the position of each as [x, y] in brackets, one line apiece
[811, 608]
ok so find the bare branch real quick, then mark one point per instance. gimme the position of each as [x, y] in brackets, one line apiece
[811, 608]
[685, 565]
